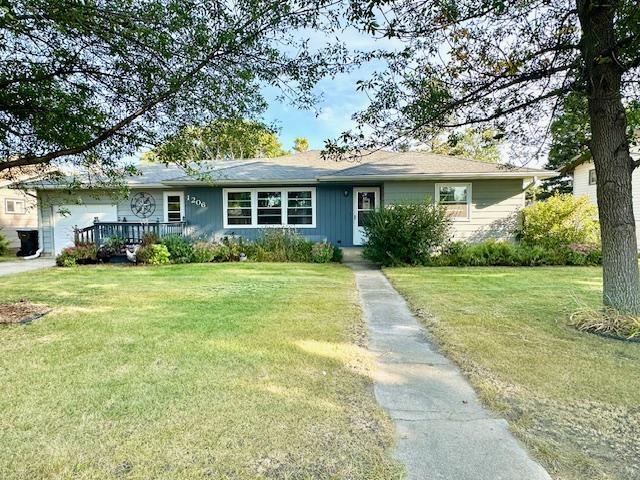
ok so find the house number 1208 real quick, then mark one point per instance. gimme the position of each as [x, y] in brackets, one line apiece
[196, 201]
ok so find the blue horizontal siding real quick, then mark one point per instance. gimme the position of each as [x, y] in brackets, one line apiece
[334, 213]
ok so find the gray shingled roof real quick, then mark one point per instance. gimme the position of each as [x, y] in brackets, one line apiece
[310, 167]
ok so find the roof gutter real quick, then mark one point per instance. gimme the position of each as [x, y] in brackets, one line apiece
[440, 176]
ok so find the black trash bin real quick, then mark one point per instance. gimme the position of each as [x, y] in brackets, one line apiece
[28, 242]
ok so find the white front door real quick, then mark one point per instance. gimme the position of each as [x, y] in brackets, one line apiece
[80, 216]
[365, 199]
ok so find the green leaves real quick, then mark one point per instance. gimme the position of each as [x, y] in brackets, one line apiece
[221, 139]
[92, 82]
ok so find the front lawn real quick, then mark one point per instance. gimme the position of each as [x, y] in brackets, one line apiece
[190, 371]
[572, 397]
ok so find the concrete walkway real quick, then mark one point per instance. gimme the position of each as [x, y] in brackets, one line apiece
[442, 431]
[19, 266]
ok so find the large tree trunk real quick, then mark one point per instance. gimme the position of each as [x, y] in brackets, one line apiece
[610, 150]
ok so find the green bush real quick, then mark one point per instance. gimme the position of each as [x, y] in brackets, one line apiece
[154, 254]
[149, 238]
[322, 252]
[238, 246]
[4, 244]
[281, 245]
[204, 252]
[560, 221]
[115, 244]
[179, 249]
[406, 233]
[498, 253]
[78, 255]
[338, 254]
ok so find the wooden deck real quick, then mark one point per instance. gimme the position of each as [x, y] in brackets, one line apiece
[131, 233]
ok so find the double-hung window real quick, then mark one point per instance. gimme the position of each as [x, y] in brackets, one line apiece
[592, 176]
[15, 206]
[456, 198]
[269, 207]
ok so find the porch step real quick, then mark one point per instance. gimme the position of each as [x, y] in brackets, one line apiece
[353, 255]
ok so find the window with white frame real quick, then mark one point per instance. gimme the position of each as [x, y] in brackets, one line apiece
[592, 176]
[456, 197]
[15, 206]
[269, 207]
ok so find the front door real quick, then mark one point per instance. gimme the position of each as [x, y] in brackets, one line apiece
[365, 199]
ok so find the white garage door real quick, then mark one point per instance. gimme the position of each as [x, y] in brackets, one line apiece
[81, 216]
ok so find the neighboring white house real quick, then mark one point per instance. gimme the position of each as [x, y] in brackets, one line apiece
[584, 183]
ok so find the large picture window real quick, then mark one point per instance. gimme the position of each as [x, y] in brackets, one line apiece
[456, 197]
[269, 207]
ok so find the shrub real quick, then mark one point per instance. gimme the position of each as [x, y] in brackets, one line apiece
[154, 254]
[498, 253]
[281, 245]
[406, 233]
[560, 221]
[78, 255]
[4, 244]
[149, 238]
[322, 252]
[115, 244]
[338, 254]
[204, 252]
[179, 249]
[238, 246]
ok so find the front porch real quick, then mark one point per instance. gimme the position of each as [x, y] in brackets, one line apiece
[131, 233]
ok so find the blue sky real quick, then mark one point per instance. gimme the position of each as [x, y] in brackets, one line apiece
[332, 116]
[339, 98]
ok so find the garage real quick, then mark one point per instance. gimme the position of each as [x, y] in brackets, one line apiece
[80, 216]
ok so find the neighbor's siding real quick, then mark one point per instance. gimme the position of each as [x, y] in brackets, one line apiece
[581, 182]
[581, 187]
[495, 206]
[9, 222]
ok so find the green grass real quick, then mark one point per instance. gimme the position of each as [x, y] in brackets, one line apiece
[572, 397]
[190, 371]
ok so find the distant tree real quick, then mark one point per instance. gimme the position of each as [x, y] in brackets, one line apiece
[480, 145]
[301, 144]
[90, 82]
[219, 140]
[509, 65]
[571, 133]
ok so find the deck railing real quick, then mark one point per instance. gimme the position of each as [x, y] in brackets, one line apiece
[131, 233]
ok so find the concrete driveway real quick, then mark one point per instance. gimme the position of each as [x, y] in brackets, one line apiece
[19, 265]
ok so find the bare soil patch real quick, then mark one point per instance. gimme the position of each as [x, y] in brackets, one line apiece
[21, 312]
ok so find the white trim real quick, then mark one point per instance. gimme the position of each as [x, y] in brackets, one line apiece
[438, 176]
[165, 197]
[469, 197]
[14, 200]
[254, 206]
[358, 236]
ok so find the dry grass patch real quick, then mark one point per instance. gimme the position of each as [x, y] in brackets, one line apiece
[22, 311]
[607, 321]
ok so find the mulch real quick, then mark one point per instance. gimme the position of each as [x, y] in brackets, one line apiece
[21, 312]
